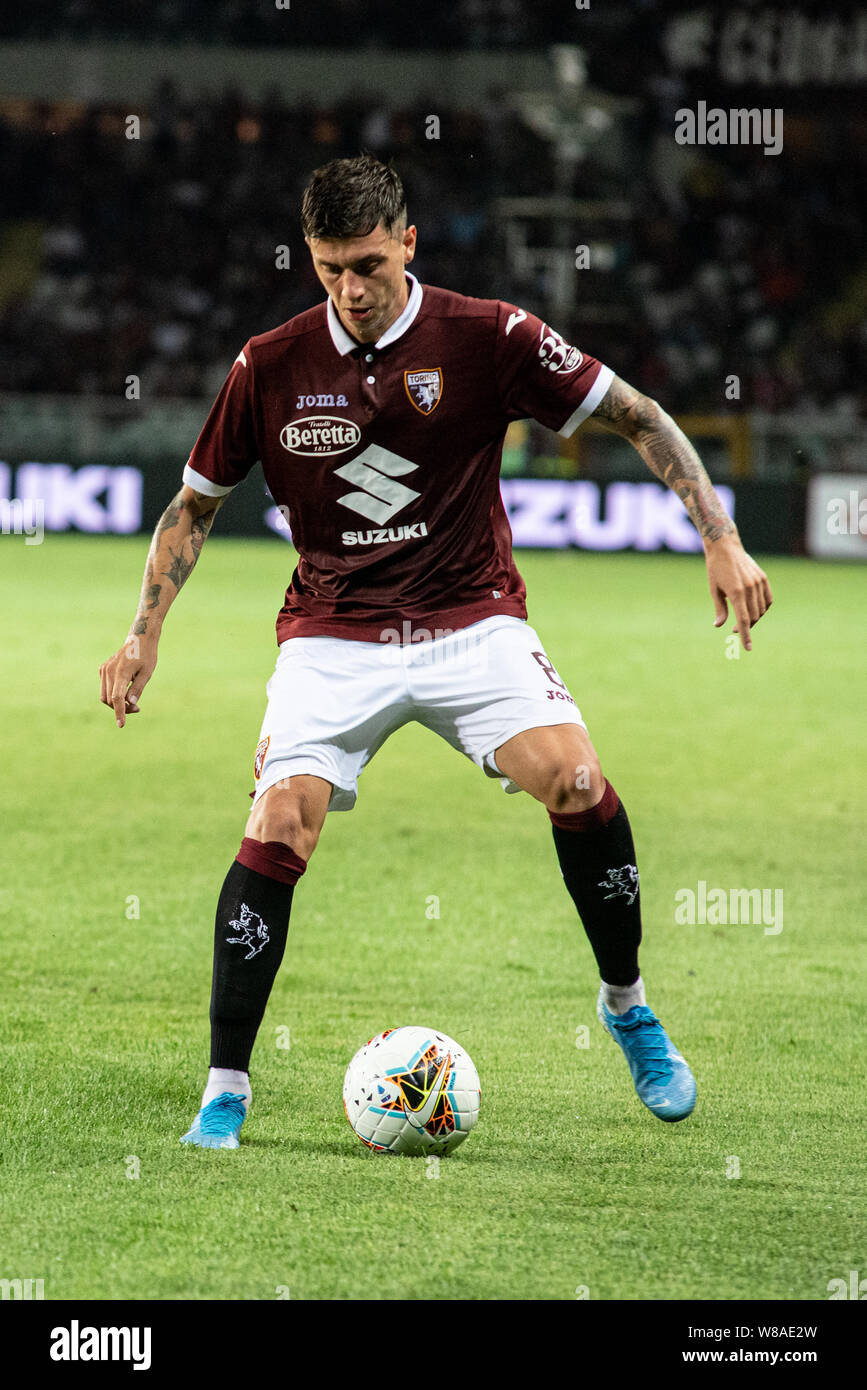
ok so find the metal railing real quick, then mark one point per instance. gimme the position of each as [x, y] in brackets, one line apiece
[112, 430]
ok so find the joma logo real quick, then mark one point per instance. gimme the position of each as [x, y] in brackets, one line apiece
[321, 402]
[320, 434]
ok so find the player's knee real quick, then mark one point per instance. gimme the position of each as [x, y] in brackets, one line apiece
[574, 787]
[285, 818]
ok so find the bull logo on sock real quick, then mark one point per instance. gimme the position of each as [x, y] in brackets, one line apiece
[622, 882]
[254, 932]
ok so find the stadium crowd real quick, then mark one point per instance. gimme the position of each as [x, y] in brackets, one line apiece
[159, 255]
[386, 23]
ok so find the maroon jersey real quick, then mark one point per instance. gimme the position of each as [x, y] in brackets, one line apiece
[385, 458]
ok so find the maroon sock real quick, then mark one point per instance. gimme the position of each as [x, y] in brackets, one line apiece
[272, 859]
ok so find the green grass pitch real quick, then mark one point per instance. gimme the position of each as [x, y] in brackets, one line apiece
[739, 772]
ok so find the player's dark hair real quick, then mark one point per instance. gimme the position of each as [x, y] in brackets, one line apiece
[349, 197]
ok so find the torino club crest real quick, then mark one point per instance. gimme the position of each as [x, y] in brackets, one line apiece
[424, 388]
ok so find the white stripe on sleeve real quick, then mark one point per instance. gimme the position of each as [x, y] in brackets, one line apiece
[591, 400]
[199, 483]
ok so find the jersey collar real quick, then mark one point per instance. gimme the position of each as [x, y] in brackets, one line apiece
[345, 343]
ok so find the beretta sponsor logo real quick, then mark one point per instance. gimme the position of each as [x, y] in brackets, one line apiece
[320, 434]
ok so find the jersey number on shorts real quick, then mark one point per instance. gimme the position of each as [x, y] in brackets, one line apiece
[549, 669]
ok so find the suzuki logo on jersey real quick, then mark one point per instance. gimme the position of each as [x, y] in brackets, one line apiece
[381, 535]
[424, 389]
[376, 470]
[320, 434]
[556, 354]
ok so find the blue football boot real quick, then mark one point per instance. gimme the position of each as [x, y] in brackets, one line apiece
[218, 1125]
[662, 1078]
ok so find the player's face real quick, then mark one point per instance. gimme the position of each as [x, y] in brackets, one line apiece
[365, 278]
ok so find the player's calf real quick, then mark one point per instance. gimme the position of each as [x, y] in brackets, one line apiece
[250, 931]
[597, 860]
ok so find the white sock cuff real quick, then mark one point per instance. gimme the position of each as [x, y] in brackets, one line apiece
[224, 1079]
[619, 999]
[224, 1076]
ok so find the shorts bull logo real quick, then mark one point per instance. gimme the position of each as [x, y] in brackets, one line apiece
[258, 761]
[424, 389]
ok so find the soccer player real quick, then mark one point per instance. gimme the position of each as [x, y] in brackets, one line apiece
[379, 417]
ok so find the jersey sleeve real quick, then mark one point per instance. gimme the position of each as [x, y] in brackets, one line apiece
[226, 449]
[541, 377]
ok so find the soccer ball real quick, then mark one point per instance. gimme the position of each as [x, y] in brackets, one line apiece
[411, 1091]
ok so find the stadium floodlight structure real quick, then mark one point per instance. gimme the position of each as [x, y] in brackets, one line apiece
[542, 234]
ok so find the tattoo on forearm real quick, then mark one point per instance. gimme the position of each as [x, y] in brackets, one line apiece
[667, 453]
[181, 563]
[201, 526]
[170, 517]
[179, 569]
[618, 401]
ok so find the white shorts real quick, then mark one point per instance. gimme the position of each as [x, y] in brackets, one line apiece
[332, 701]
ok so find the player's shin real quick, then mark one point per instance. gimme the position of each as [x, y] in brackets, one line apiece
[252, 923]
[597, 860]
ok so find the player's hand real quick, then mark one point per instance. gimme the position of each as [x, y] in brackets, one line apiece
[735, 577]
[124, 676]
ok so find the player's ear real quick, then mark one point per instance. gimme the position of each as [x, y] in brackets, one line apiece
[409, 240]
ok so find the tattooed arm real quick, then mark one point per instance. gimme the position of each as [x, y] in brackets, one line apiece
[732, 574]
[177, 543]
[176, 546]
